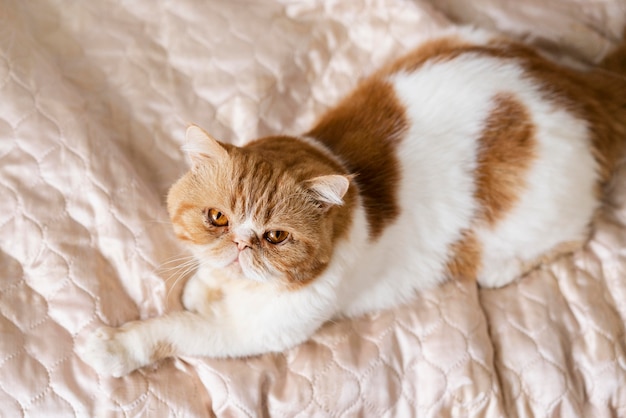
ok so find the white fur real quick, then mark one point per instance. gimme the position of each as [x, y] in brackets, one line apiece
[438, 157]
[447, 104]
[558, 203]
[251, 319]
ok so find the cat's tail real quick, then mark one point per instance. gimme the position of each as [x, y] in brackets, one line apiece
[609, 97]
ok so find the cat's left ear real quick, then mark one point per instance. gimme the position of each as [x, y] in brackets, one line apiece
[202, 147]
[329, 190]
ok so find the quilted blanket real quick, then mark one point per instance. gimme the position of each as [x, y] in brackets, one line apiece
[94, 100]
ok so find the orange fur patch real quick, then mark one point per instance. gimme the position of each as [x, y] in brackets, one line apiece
[214, 294]
[505, 155]
[161, 350]
[465, 257]
[436, 50]
[364, 131]
[178, 220]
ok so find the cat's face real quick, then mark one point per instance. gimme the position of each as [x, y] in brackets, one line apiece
[246, 211]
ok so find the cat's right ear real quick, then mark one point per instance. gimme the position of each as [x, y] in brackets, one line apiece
[330, 189]
[202, 147]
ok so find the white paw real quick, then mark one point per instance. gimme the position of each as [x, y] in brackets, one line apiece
[106, 351]
[195, 295]
[190, 295]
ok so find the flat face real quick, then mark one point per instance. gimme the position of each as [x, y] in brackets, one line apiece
[255, 213]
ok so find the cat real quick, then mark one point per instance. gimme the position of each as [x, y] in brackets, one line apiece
[471, 158]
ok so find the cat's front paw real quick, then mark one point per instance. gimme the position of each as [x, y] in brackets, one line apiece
[199, 298]
[108, 353]
[190, 298]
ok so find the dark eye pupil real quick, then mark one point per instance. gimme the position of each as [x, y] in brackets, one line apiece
[276, 237]
[216, 218]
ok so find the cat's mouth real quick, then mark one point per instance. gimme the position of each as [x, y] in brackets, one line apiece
[242, 267]
[242, 257]
[236, 264]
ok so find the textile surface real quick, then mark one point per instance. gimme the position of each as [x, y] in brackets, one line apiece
[94, 101]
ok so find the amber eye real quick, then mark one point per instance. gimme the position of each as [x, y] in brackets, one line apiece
[276, 237]
[216, 218]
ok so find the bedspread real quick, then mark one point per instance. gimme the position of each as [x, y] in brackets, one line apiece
[94, 100]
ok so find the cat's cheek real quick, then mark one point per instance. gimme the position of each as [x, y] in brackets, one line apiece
[249, 268]
[215, 255]
[227, 257]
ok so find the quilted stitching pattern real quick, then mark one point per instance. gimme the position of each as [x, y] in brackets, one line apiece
[95, 99]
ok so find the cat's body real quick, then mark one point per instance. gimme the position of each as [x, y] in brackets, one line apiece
[470, 158]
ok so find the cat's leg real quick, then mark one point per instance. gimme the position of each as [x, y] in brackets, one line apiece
[245, 328]
[499, 270]
[189, 298]
[198, 296]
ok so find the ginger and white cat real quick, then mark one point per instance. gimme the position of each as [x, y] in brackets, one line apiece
[470, 158]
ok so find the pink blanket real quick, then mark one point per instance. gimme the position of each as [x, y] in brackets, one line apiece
[95, 97]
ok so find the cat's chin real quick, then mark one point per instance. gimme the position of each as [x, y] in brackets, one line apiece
[235, 267]
[237, 271]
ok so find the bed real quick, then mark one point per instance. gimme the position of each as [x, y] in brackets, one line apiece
[94, 101]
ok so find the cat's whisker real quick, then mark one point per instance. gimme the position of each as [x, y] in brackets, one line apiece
[159, 221]
[182, 271]
[182, 274]
[175, 284]
[164, 269]
[169, 292]
[179, 256]
[174, 264]
[175, 260]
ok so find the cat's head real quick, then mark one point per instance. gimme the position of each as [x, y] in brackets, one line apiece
[269, 212]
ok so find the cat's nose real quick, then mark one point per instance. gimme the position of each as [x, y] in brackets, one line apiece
[242, 244]
[243, 238]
